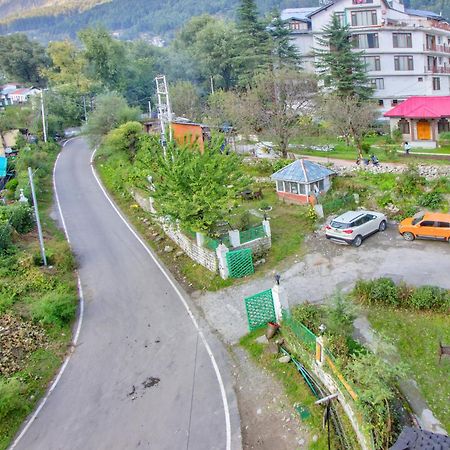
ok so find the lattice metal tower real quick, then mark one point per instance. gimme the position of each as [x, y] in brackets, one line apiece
[164, 110]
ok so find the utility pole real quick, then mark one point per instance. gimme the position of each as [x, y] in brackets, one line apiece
[149, 109]
[84, 107]
[212, 84]
[36, 213]
[44, 127]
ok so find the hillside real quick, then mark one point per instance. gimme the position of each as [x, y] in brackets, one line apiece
[48, 20]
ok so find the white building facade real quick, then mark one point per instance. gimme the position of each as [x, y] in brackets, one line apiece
[407, 52]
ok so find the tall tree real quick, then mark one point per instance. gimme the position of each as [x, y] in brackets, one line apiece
[254, 50]
[185, 100]
[105, 57]
[349, 117]
[284, 52]
[274, 104]
[341, 68]
[23, 60]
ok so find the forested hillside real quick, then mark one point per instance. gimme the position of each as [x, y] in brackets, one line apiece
[131, 17]
[56, 19]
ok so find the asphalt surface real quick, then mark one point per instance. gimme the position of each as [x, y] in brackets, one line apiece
[140, 376]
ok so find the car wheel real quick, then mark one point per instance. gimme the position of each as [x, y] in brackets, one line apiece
[408, 236]
[357, 241]
[382, 226]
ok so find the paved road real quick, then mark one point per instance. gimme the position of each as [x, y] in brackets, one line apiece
[141, 376]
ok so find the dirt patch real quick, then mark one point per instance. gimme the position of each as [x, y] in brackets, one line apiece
[18, 339]
[268, 420]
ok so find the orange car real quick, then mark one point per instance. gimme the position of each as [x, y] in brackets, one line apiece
[426, 226]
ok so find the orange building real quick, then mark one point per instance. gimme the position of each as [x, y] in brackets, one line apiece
[190, 133]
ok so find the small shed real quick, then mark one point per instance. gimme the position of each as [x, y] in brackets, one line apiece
[190, 133]
[421, 119]
[302, 181]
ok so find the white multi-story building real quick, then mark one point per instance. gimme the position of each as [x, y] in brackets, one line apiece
[407, 52]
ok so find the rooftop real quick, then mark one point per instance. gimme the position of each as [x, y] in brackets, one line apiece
[422, 108]
[302, 171]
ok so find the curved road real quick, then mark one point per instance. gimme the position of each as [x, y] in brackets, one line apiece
[141, 375]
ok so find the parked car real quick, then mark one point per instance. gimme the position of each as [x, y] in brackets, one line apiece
[353, 227]
[434, 226]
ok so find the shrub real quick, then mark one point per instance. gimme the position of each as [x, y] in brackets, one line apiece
[54, 308]
[280, 163]
[382, 291]
[384, 200]
[366, 147]
[10, 397]
[21, 217]
[309, 315]
[11, 185]
[429, 297]
[410, 182]
[431, 200]
[5, 235]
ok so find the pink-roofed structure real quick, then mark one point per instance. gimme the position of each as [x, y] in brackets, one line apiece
[421, 119]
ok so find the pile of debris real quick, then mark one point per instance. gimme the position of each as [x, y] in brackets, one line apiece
[18, 339]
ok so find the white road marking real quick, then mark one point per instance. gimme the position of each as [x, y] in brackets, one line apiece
[183, 301]
[78, 328]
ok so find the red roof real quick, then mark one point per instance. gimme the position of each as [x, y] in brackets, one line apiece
[20, 91]
[422, 108]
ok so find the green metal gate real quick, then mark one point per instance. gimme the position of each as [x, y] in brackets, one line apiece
[260, 310]
[240, 263]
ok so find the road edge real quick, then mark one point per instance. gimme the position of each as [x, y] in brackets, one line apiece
[77, 326]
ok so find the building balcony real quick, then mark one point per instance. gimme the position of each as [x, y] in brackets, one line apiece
[435, 69]
[439, 48]
[422, 23]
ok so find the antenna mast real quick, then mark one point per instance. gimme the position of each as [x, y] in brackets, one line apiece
[164, 110]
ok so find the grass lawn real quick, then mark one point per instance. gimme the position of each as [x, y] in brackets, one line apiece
[416, 336]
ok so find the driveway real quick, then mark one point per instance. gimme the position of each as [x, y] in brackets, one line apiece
[142, 375]
[329, 266]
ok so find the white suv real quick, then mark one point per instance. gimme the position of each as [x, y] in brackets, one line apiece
[353, 227]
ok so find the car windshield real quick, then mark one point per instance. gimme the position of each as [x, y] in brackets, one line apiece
[416, 220]
[339, 225]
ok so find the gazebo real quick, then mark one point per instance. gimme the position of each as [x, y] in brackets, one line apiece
[421, 119]
[302, 181]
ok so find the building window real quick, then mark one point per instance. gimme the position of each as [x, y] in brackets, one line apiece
[372, 63]
[431, 63]
[294, 25]
[341, 17]
[366, 40]
[403, 63]
[394, 102]
[431, 42]
[364, 18]
[280, 187]
[403, 126]
[436, 84]
[294, 188]
[420, 79]
[302, 189]
[361, 2]
[377, 83]
[443, 126]
[287, 186]
[402, 40]
[380, 102]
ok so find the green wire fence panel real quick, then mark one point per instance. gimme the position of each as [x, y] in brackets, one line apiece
[212, 243]
[303, 334]
[252, 234]
[240, 263]
[260, 309]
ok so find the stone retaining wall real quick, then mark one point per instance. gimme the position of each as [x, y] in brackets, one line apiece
[205, 257]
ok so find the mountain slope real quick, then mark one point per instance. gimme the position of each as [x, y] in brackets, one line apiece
[48, 20]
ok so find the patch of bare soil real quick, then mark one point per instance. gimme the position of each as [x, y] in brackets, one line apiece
[268, 420]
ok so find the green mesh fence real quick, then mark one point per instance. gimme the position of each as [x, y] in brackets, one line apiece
[240, 263]
[212, 243]
[252, 234]
[260, 310]
[302, 333]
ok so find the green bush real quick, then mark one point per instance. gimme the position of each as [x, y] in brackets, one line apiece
[431, 200]
[21, 217]
[5, 235]
[310, 315]
[382, 291]
[384, 200]
[54, 308]
[430, 297]
[11, 185]
[10, 397]
[410, 182]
